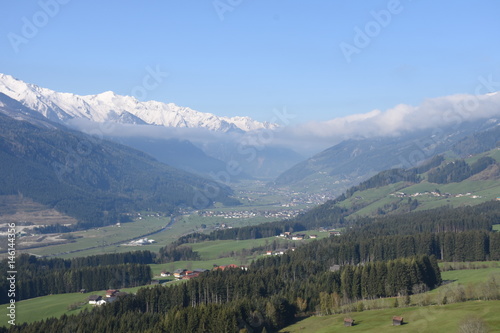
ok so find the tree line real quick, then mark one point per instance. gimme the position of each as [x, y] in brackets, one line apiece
[450, 246]
[41, 276]
[88, 278]
[172, 252]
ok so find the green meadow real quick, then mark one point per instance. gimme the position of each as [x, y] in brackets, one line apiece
[430, 318]
[437, 318]
[44, 307]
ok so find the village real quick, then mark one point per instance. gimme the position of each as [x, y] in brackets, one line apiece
[434, 194]
[246, 214]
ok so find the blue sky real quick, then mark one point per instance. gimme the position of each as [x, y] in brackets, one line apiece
[247, 57]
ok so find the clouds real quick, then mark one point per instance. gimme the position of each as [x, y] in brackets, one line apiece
[110, 129]
[311, 137]
[432, 113]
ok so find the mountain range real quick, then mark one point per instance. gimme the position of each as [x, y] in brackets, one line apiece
[178, 136]
[90, 179]
[110, 107]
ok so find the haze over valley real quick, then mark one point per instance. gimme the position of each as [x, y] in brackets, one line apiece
[249, 167]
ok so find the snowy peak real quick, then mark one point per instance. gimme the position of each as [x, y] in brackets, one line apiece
[108, 106]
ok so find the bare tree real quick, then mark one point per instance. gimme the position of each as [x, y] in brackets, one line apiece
[473, 325]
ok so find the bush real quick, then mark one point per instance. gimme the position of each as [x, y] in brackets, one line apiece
[473, 325]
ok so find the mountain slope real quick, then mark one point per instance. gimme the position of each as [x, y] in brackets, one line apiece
[180, 154]
[109, 106]
[90, 179]
[404, 190]
[350, 162]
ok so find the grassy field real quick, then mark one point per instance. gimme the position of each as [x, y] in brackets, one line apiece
[485, 190]
[204, 264]
[100, 239]
[496, 227]
[444, 318]
[214, 249]
[467, 276]
[419, 319]
[39, 308]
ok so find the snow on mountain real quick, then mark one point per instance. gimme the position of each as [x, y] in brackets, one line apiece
[109, 106]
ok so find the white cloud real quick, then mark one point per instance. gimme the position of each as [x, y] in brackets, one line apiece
[432, 113]
[311, 137]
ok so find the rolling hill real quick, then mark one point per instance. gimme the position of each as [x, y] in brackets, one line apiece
[403, 190]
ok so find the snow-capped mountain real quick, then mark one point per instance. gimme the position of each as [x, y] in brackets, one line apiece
[109, 106]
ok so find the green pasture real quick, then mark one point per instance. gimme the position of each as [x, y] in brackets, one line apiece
[44, 307]
[213, 249]
[443, 318]
[189, 265]
[99, 239]
[469, 276]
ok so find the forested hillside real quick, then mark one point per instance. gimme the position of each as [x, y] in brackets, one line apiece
[39, 277]
[93, 180]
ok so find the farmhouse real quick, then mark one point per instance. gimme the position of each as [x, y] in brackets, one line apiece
[93, 299]
[179, 273]
[279, 252]
[397, 321]
[111, 292]
[348, 322]
[190, 275]
[298, 237]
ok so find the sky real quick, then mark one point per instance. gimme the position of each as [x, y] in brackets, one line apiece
[318, 59]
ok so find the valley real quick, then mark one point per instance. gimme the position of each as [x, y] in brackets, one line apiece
[235, 166]
[350, 232]
[258, 206]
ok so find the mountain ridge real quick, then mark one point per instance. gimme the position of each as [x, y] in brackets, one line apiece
[91, 179]
[108, 106]
[351, 161]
